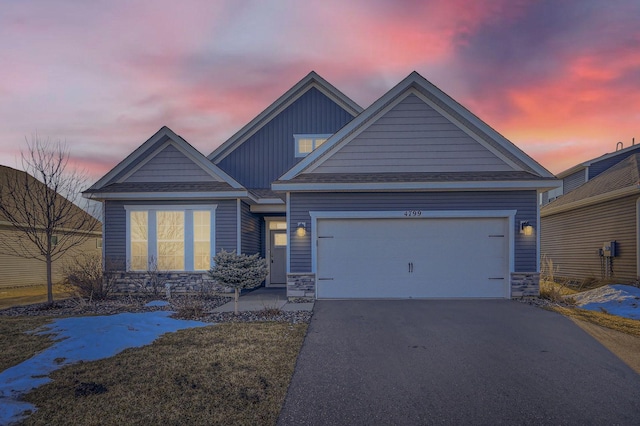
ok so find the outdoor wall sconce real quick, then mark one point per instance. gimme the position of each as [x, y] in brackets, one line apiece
[302, 229]
[526, 228]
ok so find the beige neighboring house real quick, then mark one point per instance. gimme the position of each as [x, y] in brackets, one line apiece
[19, 271]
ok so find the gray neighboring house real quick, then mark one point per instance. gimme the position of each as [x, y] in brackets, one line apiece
[592, 231]
[413, 197]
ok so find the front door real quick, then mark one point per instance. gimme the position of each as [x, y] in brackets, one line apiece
[278, 258]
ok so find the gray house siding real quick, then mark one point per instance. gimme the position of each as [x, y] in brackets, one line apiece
[170, 165]
[573, 181]
[270, 152]
[525, 202]
[600, 166]
[252, 231]
[571, 239]
[115, 235]
[412, 137]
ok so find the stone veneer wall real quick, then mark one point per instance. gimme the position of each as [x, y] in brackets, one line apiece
[180, 282]
[525, 284]
[301, 286]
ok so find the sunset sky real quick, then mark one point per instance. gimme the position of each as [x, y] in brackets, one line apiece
[560, 79]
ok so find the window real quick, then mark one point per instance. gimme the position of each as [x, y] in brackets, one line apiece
[177, 239]
[307, 143]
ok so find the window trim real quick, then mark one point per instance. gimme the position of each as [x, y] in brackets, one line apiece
[152, 242]
[314, 138]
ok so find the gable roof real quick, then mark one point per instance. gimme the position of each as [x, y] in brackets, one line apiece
[415, 84]
[22, 180]
[116, 179]
[589, 163]
[618, 181]
[312, 80]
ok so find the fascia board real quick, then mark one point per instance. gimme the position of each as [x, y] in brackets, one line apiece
[131, 158]
[349, 128]
[165, 195]
[549, 209]
[192, 154]
[484, 127]
[417, 186]
[312, 80]
[416, 80]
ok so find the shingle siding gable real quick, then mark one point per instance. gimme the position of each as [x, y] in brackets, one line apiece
[270, 152]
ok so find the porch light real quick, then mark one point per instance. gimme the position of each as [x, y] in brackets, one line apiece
[526, 228]
[302, 229]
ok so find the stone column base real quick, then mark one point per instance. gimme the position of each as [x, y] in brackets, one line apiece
[301, 286]
[525, 284]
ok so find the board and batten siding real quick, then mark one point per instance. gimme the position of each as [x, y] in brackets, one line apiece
[115, 233]
[18, 271]
[571, 239]
[525, 202]
[312, 113]
[412, 137]
[251, 231]
[170, 165]
[573, 181]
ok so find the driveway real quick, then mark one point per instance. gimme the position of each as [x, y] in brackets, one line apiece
[454, 362]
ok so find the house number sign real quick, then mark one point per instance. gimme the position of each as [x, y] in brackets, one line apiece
[413, 213]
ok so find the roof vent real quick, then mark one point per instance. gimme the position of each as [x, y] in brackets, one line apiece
[619, 146]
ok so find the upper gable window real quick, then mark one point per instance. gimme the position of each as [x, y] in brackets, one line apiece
[307, 143]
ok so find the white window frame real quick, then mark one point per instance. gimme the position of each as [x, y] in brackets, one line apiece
[152, 240]
[314, 141]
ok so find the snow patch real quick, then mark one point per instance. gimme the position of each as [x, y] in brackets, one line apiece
[157, 303]
[618, 299]
[81, 339]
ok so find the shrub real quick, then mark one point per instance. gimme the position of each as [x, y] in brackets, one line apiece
[86, 277]
[238, 271]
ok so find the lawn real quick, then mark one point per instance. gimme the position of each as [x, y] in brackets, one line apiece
[15, 296]
[232, 373]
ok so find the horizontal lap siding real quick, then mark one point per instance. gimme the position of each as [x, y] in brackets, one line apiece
[412, 137]
[115, 244]
[312, 113]
[170, 165]
[572, 239]
[600, 166]
[251, 231]
[18, 271]
[573, 181]
[525, 202]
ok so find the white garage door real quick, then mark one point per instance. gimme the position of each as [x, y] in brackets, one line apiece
[412, 258]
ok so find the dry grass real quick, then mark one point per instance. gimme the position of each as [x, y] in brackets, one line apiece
[17, 296]
[556, 292]
[17, 345]
[613, 322]
[225, 374]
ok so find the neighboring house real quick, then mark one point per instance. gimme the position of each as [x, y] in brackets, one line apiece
[577, 175]
[412, 197]
[578, 228]
[19, 271]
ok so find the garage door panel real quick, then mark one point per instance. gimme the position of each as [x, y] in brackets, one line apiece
[405, 258]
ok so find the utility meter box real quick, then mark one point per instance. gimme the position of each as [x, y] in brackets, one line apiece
[609, 249]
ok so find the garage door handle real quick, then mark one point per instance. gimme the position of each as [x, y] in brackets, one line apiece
[496, 278]
[325, 279]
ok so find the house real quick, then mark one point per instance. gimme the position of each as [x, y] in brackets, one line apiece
[575, 176]
[412, 197]
[17, 270]
[592, 231]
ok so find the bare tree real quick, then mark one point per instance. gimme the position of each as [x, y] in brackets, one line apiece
[40, 205]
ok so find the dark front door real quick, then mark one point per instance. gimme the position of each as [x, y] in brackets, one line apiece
[278, 258]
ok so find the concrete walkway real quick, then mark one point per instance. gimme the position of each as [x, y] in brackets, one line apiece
[264, 298]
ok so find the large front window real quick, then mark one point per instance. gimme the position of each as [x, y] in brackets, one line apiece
[169, 239]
